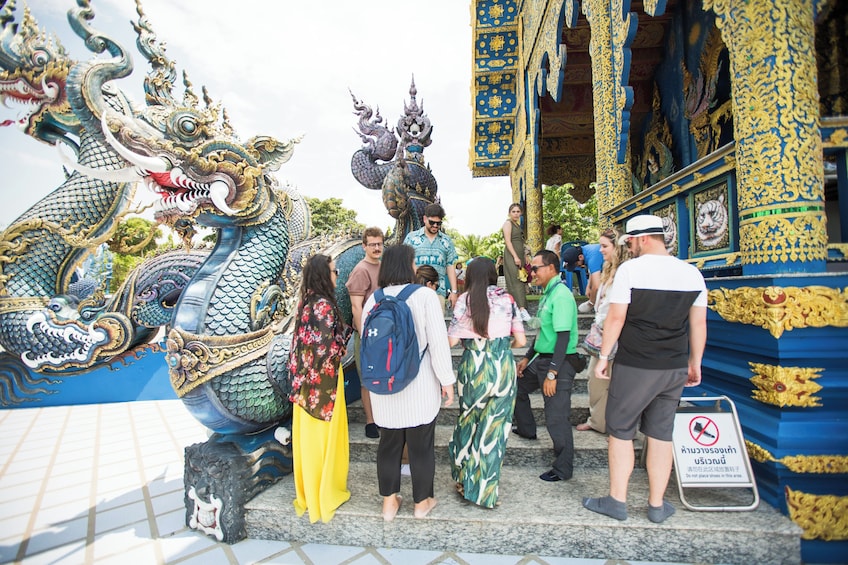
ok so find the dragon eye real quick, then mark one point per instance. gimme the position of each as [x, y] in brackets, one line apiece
[40, 57]
[186, 126]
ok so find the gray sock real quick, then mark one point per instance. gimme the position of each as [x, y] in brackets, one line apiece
[608, 506]
[659, 513]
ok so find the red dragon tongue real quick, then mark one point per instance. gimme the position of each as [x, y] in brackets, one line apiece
[5, 123]
[162, 179]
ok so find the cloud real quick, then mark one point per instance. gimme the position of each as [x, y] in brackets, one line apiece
[284, 68]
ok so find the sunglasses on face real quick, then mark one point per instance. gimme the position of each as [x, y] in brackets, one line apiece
[336, 271]
[534, 268]
[434, 224]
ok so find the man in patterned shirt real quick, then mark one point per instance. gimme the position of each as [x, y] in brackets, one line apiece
[435, 248]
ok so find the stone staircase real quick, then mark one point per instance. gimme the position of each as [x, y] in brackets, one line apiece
[534, 517]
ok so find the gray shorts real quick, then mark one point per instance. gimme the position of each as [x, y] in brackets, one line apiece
[644, 397]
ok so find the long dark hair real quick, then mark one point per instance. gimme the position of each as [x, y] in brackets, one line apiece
[396, 266]
[479, 275]
[316, 279]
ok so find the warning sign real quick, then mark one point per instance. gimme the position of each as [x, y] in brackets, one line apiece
[708, 449]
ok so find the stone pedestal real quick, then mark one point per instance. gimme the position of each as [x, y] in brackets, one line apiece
[227, 471]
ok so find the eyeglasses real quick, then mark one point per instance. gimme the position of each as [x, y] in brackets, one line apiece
[434, 224]
[534, 268]
[373, 245]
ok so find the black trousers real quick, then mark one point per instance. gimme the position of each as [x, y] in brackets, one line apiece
[422, 459]
[557, 411]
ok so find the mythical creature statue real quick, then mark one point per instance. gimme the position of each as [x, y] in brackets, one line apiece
[221, 353]
[43, 325]
[394, 163]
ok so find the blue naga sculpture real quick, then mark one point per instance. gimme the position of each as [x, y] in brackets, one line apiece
[394, 162]
[223, 326]
[45, 325]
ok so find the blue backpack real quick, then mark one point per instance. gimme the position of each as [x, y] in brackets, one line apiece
[388, 350]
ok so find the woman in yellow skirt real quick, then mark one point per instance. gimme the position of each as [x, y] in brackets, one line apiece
[320, 447]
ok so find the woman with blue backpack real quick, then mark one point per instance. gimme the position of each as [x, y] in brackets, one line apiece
[320, 448]
[405, 407]
[487, 323]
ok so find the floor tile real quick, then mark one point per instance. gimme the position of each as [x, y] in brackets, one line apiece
[68, 553]
[60, 534]
[144, 553]
[171, 522]
[322, 553]
[409, 556]
[121, 516]
[182, 544]
[122, 539]
[251, 550]
[47, 517]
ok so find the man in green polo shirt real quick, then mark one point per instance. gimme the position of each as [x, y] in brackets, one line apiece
[546, 365]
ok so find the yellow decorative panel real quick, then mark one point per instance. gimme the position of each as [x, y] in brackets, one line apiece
[778, 309]
[821, 516]
[785, 386]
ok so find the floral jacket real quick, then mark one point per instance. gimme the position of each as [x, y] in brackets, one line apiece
[319, 341]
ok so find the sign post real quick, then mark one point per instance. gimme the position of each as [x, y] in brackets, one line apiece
[709, 451]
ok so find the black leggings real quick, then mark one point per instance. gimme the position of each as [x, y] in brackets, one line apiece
[422, 459]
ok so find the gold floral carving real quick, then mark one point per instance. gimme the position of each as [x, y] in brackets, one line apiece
[812, 464]
[196, 359]
[783, 237]
[821, 516]
[613, 185]
[785, 386]
[21, 304]
[776, 127]
[778, 309]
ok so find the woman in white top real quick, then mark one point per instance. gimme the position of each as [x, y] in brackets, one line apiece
[554, 238]
[408, 417]
[614, 255]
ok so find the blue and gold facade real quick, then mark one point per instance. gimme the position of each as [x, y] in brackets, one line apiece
[496, 54]
[730, 121]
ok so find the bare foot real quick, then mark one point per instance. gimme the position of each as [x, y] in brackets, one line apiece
[391, 505]
[584, 427]
[423, 508]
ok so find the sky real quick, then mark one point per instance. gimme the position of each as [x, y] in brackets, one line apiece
[283, 68]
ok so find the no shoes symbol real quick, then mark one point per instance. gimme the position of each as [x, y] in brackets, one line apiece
[703, 430]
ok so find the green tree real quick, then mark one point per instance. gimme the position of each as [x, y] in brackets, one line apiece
[578, 221]
[329, 216]
[134, 239]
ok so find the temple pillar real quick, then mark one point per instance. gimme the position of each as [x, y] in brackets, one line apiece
[779, 169]
[614, 184]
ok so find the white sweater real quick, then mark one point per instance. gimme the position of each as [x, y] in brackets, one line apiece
[419, 402]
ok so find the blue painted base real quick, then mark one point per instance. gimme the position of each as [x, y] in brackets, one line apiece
[140, 374]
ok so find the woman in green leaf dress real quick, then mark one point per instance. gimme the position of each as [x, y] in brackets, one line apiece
[486, 321]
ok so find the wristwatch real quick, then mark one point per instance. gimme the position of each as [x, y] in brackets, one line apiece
[551, 376]
[603, 357]
[452, 291]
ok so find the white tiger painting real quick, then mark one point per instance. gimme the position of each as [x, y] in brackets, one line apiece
[669, 227]
[670, 232]
[711, 224]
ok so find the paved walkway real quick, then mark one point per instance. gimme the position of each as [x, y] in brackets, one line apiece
[103, 484]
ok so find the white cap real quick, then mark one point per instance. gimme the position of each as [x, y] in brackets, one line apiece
[641, 225]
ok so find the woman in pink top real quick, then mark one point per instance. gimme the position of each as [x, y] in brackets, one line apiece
[487, 322]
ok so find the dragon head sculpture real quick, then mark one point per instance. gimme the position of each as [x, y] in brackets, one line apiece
[187, 153]
[34, 69]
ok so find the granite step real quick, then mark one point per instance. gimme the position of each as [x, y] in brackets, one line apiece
[534, 518]
[448, 414]
[590, 449]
